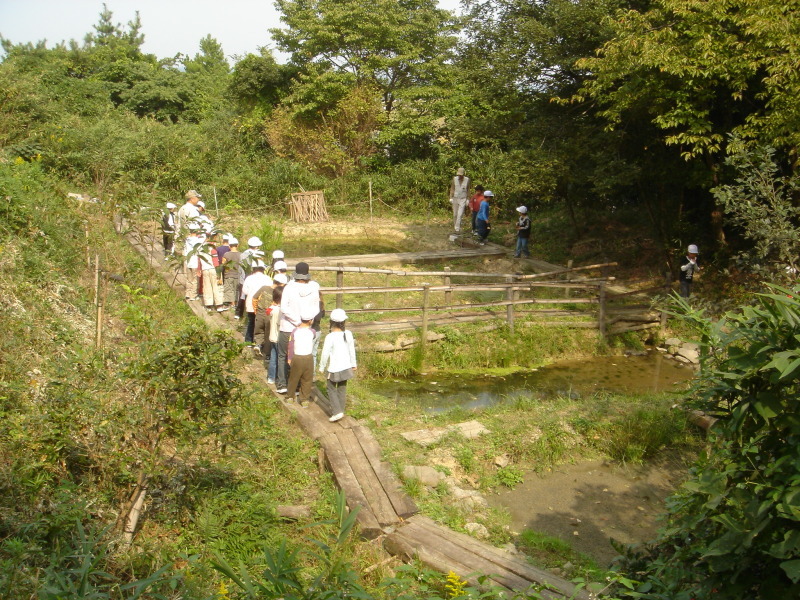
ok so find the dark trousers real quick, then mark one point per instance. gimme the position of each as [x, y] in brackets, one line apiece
[483, 229]
[686, 288]
[168, 240]
[251, 327]
[282, 371]
[302, 374]
[474, 220]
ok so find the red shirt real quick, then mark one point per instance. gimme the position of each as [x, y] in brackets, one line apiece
[475, 201]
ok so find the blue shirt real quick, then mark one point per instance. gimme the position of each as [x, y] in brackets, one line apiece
[483, 211]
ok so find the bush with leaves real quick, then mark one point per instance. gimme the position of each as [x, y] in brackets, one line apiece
[733, 529]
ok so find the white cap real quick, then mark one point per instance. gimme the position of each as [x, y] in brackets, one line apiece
[201, 203]
[693, 249]
[522, 210]
[281, 278]
[488, 194]
[278, 254]
[193, 226]
[279, 266]
[226, 236]
[307, 313]
[338, 315]
[259, 264]
[254, 241]
[232, 241]
[170, 205]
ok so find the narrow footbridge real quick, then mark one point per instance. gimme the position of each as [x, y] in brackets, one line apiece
[351, 452]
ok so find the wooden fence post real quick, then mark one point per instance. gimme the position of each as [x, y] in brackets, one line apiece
[426, 293]
[566, 276]
[339, 284]
[601, 311]
[370, 200]
[386, 295]
[448, 295]
[667, 292]
[510, 307]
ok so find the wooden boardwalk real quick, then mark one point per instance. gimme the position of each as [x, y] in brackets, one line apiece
[353, 455]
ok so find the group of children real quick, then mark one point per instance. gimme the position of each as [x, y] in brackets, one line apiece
[283, 314]
[479, 205]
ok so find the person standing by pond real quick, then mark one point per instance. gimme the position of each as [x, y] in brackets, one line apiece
[168, 230]
[688, 269]
[339, 357]
[482, 219]
[459, 196]
[523, 232]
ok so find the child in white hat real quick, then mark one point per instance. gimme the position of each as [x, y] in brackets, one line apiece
[339, 357]
[523, 232]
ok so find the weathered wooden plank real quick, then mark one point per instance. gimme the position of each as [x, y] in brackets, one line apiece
[403, 257]
[362, 469]
[497, 556]
[343, 475]
[438, 553]
[403, 505]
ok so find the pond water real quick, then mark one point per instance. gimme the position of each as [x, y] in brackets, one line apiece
[339, 247]
[650, 373]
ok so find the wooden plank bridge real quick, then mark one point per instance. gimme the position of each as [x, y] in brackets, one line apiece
[403, 258]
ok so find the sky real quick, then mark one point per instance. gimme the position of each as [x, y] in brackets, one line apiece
[169, 26]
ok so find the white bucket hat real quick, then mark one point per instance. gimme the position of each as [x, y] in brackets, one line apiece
[278, 254]
[254, 241]
[693, 249]
[338, 315]
[280, 266]
[523, 210]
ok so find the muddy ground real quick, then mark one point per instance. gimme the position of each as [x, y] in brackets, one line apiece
[588, 503]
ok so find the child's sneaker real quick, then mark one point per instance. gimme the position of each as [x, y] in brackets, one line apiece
[336, 417]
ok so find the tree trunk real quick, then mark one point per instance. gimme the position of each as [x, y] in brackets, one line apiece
[717, 223]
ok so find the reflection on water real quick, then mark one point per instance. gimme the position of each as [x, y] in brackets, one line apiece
[338, 247]
[633, 375]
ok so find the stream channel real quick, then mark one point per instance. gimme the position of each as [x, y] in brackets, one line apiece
[586, 503]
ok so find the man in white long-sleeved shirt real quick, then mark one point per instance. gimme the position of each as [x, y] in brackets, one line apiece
[300, 296]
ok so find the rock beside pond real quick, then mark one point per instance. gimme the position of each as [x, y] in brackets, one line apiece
[477, 530]
[427, 437]
[427, 476]
[684, 352]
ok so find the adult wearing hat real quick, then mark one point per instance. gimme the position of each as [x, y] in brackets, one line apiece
[246, 261]
[168, 230]
[300, 296]
[688, 270]
[255, 283]
[191, 265]
[523, 232]
[187, 213]
[459, 196]
[230, 273]
[339, 361]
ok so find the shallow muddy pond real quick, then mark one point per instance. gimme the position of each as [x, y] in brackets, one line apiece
[339, 247]
[651, 373]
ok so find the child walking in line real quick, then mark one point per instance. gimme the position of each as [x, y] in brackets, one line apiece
[300, 357]
[339, 355]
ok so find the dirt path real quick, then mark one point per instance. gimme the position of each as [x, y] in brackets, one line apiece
[588, 503]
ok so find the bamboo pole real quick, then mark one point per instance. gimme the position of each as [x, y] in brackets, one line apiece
[448, 295]
[88, 254]
[510, 305]
[494, 287]
[601, 312]
[375, 271]
[572, 270]
[566, 289]
[370, 200]
[339, 284]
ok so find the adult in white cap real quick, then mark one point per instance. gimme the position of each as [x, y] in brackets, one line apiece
[482, 219]
[459, 196]
[301, 295]
[231, 283]
[246, 262]
[688, 269]
[187, 213]
[339, 361]
[252, 285]
[523, 232]
[168, 230]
